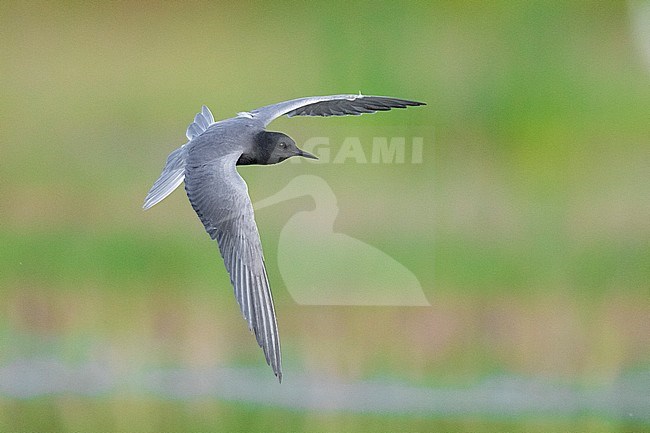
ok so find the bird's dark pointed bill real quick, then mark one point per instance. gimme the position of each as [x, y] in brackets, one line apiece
[307, 154]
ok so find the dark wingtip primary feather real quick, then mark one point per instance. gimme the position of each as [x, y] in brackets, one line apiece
[352, 105]
[334, 105]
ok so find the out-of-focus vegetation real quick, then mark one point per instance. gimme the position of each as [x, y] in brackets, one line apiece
[527, 222]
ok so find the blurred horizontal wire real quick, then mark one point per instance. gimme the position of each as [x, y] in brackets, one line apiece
[509, 396]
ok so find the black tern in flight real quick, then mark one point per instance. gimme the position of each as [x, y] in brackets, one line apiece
[207, 163]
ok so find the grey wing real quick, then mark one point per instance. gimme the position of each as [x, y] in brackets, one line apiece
[219, 196]
[335, 105]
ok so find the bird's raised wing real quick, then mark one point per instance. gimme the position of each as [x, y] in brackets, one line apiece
[219, 196]
[174, 171]
[335, 105]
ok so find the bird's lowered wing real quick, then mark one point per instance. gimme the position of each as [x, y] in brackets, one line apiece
[335, 105]
[174, 171]
[219, 196]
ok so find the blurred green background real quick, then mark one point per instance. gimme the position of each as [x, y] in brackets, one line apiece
[527, 222]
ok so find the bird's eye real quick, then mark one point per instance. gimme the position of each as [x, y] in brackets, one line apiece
[283, 144]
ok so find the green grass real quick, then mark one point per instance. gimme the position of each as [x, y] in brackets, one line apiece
[125, 260]
[153, 415]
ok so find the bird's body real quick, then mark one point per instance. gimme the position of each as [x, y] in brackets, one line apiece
[207, 163]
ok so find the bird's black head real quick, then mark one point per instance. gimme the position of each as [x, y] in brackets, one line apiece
[273, 147]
